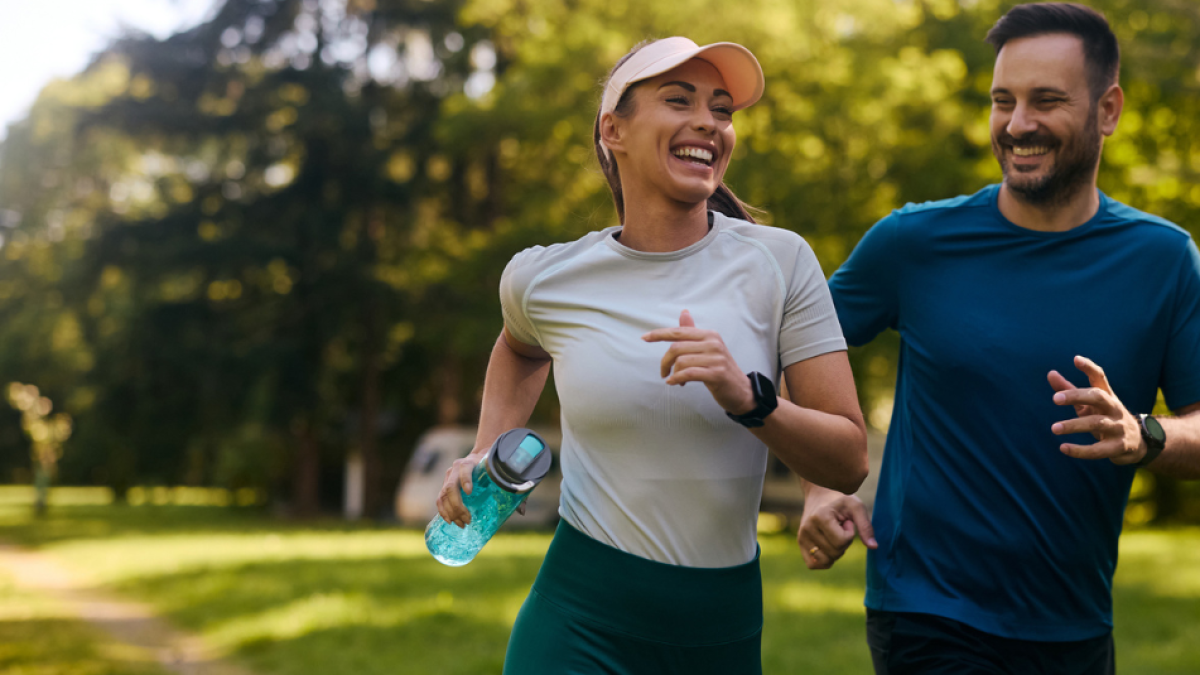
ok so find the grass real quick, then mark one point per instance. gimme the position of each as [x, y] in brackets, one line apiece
[328, 598]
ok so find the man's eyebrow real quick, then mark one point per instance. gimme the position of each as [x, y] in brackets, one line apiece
[1035, 90]
[692, 88]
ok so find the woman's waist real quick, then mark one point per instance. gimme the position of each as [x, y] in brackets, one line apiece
[676, 604]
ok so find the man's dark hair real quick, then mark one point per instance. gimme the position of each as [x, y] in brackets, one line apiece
[1102, 56]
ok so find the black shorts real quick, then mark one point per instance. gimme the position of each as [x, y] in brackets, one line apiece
[923, 644]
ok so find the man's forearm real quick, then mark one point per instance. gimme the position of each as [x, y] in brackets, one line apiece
[1181, 457]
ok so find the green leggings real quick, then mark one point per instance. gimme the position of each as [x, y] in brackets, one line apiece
[595, 609]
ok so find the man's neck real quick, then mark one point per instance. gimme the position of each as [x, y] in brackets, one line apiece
[1057, 217]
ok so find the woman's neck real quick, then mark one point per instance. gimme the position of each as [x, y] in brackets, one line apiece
[661, 226]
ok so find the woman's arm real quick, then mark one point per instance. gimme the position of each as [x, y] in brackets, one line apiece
[819, 433]
[821, 436]
[516, 375]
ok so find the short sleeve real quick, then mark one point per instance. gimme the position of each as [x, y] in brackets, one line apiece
[517, 277]
[1180, 380]
[866, 287]
[810, 324]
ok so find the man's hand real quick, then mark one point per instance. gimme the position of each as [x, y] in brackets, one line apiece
[1100, 413]
[828, 526]
[698, 355]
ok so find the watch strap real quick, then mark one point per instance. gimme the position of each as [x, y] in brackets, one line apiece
[765, 402]
[1155, 444]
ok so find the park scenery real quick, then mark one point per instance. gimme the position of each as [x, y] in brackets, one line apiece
[246, 268]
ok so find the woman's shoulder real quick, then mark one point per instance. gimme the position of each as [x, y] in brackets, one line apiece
[551, 254]
[783, 245]
[530, 264]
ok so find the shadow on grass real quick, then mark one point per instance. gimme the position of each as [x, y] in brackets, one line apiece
[64, 647]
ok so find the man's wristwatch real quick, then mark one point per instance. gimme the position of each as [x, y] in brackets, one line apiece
[1154, 436]
[765, 402]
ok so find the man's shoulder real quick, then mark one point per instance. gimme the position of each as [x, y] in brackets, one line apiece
[1119, 214]
[984, 199]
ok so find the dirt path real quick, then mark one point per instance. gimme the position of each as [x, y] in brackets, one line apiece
[133, 625]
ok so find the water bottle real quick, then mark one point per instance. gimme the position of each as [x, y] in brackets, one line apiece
[501, 481]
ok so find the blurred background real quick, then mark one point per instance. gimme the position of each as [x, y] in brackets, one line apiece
[249, 256]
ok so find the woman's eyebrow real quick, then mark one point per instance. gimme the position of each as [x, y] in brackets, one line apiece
[692, 88]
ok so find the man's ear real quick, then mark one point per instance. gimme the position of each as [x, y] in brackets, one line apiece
[611, 132]
[1109, 109]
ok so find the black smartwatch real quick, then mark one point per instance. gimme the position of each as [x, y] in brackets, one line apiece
[765, 402]
[1155, 437]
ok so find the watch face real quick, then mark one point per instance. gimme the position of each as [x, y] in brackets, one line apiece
[1155, 429]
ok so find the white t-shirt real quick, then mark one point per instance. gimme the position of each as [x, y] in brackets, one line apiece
[655, 470]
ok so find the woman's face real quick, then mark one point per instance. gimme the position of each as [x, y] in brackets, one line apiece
[680, 135]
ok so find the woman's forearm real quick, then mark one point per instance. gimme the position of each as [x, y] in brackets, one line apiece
[826, 449]
[818, 429]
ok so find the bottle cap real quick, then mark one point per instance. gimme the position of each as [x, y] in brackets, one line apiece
[518, 460]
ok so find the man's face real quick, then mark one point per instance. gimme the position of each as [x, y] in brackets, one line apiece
[1044, 125]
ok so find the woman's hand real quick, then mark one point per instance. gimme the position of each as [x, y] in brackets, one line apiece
[698, 355]
[449, 501]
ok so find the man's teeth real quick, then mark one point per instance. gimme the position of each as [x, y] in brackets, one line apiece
[1029, 152]
[695, 153]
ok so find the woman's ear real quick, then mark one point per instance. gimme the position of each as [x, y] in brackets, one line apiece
[611, 132]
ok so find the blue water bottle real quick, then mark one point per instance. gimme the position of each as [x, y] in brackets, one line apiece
[501, 481]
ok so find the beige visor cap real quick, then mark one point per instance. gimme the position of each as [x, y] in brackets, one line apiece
[738, 67]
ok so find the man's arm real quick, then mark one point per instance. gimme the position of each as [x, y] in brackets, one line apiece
[1118, 434]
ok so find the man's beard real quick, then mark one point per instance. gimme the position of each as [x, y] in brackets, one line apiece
[1074, 165]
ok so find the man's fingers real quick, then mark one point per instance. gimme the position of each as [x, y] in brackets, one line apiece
[1058, 382]
[685, 319]
[862, 522]
[1100, 425]
[1111, 448]
[1100, 400]
[1095, 373]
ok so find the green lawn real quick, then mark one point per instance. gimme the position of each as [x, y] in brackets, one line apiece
[329, 598]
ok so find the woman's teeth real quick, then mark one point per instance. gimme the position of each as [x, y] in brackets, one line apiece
[704, 156]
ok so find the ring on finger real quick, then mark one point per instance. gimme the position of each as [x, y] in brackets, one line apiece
[814, 550]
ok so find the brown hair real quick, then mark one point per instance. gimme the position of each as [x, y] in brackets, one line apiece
[722, 201]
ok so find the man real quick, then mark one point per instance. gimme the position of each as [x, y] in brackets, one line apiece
[997, 515]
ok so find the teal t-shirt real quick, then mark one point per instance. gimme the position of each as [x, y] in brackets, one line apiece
[979, 517]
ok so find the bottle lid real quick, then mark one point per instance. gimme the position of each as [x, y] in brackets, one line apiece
[518, 460]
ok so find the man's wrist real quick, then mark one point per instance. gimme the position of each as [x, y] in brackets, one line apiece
[1153, 439]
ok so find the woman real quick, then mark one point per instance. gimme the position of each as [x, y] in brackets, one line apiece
[654, 567]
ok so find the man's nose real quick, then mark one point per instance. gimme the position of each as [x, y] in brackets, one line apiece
[1022, 122]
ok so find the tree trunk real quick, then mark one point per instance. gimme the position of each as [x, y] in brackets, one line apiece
[306, 494]
[368, 442]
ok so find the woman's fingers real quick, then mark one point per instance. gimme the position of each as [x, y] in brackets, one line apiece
[449, 501]
[679, 349]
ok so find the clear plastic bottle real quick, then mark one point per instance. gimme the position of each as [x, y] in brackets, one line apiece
[501, 482]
